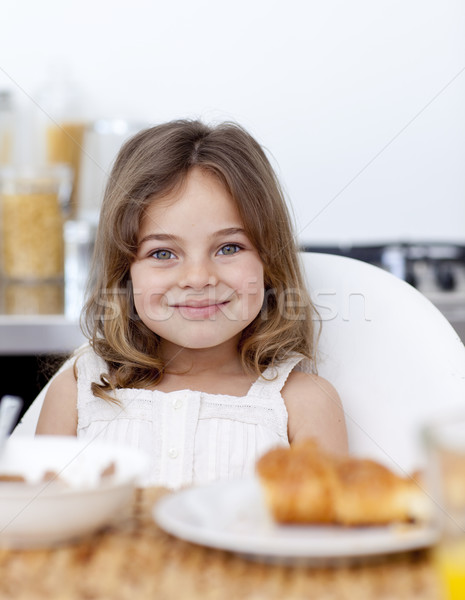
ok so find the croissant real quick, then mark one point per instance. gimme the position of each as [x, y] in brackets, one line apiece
[303, 484]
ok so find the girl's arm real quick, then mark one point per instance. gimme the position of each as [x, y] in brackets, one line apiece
[315, 411]
[59, 413]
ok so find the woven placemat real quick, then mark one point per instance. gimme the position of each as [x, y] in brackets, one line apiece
[135, 560]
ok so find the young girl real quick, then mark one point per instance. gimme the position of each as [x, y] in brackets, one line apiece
[199, 324]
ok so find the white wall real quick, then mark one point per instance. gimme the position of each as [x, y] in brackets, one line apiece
[361, 103]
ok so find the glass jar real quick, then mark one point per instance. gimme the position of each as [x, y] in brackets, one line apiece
[32, 298]
[60, 125]
[33, 205]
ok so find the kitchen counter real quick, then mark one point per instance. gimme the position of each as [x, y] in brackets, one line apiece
[38, 334]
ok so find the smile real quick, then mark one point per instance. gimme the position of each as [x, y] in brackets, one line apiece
[199, 309]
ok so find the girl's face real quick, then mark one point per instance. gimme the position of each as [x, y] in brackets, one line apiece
[197, 279]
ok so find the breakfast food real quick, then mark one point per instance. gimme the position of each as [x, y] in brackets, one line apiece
[303, 484]
[50, 476]
[32, 235]
[12, 478]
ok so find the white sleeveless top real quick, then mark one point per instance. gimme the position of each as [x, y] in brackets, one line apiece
[190, 437]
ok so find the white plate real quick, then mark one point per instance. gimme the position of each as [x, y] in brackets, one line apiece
[232, 516]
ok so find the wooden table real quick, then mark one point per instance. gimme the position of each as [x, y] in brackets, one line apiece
[135, 560]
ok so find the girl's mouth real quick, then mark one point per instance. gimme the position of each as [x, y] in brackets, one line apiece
[199, 310]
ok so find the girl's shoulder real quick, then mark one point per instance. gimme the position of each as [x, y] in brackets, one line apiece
[58, 413]
[301, 384]
[315, 411]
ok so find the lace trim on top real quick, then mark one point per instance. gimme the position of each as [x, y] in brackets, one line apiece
[262, 405]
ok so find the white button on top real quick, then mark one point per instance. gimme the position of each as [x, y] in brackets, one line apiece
[173, 453]
[177, 403]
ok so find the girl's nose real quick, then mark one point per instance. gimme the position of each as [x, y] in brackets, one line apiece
[198, 274]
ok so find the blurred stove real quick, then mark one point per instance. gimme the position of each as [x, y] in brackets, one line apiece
[436, 270]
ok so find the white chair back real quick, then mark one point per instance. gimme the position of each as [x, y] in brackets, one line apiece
[395, 360]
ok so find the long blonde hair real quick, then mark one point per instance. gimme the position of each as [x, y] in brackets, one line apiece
[150, 165]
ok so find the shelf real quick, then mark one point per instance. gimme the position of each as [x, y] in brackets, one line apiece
[38, 334]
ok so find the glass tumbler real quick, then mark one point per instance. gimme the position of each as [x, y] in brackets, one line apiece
[445, 444]
[33, 206]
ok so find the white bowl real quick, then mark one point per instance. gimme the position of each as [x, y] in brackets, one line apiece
[37, 513]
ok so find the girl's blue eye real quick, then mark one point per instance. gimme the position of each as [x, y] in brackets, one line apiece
[162, 254]
[230, 249]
